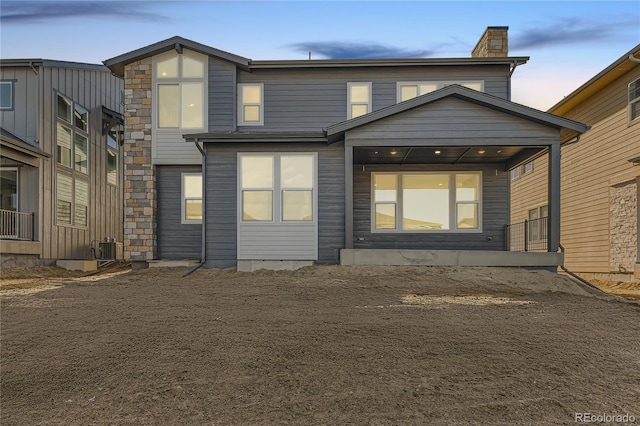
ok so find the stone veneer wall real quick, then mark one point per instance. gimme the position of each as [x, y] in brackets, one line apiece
[623, 213]
[140, 226]
[493, 43]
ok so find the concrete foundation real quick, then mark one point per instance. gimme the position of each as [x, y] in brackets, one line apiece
[449, 258]
[171, 263]
[273, 265]
[78, 265]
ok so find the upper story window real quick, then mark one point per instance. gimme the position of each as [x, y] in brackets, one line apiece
[180, 81]
[410, 89]
[114, 139]
[634, 100]
[250, 104]
[72, 137]
[358, 99]
[521, 170]
[6, 95]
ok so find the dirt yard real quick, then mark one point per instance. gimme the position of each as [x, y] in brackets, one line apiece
[321, 345]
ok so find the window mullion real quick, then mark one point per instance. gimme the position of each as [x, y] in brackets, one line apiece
[453, 205]
[399, 202]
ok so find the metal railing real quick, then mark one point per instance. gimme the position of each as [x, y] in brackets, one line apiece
[16, 225]
[530, 235]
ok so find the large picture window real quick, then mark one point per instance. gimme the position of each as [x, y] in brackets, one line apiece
[180, 88]
[277, 187]
[426, 202]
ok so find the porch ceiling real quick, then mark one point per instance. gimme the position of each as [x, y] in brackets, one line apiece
[437, 154]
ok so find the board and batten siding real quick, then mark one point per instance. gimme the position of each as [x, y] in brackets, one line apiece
[22, 121]
[221, 199]
[495, 212]
[589, 171]
[176, 241]
[308, 99]
[91, 89]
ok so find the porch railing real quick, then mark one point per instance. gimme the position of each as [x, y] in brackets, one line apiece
[530, 235]
[16, 225]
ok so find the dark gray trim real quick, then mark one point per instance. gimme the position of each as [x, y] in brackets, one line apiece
[403, 62]
[12, 141]
[30, 63]
[116, 65]
[336, 132]
[554, 198]
[259, 137]
[348, 196]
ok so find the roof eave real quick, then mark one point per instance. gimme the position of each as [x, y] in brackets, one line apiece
[603, 78]
[117, 64]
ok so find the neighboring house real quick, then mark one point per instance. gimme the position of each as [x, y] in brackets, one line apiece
[600, 172]
[61, 183]
[293, 162]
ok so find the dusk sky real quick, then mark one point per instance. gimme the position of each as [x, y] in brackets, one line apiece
[568, 42]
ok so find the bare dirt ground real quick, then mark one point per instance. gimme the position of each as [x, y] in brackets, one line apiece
[321, 345]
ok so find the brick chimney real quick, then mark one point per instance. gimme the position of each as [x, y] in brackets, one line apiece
[493, 43]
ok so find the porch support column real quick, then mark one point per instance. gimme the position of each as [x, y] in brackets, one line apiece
[553, 225]
[348, 196]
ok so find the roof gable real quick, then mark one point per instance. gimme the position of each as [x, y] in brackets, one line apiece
[336, 131]
[117, 64]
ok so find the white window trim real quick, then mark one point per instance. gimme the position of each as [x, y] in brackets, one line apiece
[452, 204]
[276, 189]
[155, 81]
[350, 103]
[633, 101]
[439, 85]
[183, 199]
[240, 111]
[11, 84]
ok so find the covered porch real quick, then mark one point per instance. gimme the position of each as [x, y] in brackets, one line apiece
[427, 180]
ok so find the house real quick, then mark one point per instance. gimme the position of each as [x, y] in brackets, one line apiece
[283, 163]
[60, 161]
[600, 172]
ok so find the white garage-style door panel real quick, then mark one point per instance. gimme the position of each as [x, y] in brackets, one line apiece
[277, 206]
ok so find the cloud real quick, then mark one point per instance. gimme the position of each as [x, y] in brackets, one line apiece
[352, 50]
[33, 12]
[564, 32]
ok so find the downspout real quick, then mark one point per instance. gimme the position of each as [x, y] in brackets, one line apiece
[203, 256]
[576, 276]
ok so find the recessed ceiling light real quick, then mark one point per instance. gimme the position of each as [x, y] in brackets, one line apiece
[394, 152]
[481, 151]
[375, 152]
[437, 152]
[499, 151]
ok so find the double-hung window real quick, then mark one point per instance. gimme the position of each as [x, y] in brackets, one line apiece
[423, 202]
[191, 198]
[72, 154]
[7, 98]
[250, 104]
[180, 90]
[634, 100]
[277, 188]
[410, 89]
[358, 99]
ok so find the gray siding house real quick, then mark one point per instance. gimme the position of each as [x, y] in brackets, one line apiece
[244, 163]
[61, 167]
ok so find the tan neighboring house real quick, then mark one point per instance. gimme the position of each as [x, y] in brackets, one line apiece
[600, 172]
